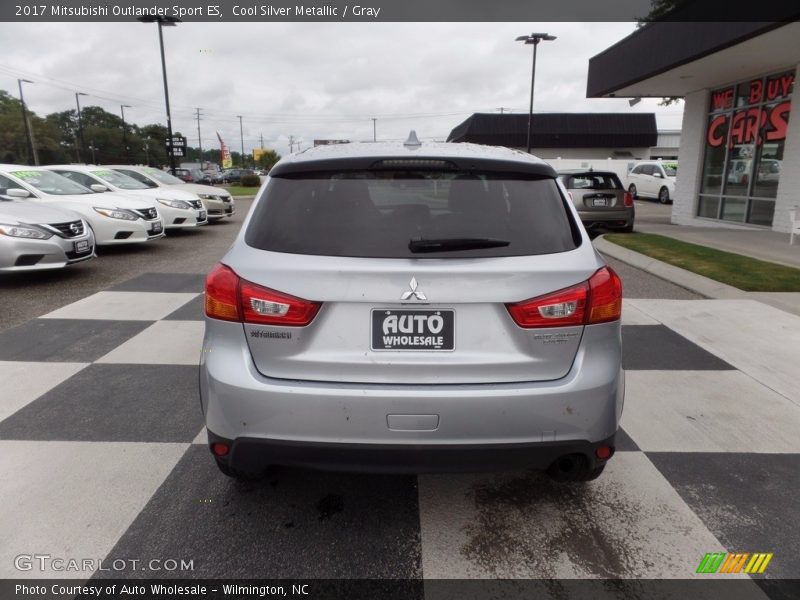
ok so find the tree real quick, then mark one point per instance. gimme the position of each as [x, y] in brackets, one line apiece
[13, 142]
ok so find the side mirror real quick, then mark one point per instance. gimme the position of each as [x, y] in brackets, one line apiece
[98, 187]
[17, 193]
[658, 174]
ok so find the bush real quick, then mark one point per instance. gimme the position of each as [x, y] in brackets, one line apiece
[250, 181]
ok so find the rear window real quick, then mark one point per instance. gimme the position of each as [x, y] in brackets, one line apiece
[390, 214]
[592, 181]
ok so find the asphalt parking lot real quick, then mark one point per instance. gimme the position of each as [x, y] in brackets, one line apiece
[102, 448]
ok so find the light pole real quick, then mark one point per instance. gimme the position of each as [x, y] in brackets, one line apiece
[164, 21]
[374, 129]
[241, 137]
[32, 158]
[534, 40]
[122, 108]
[81, 145]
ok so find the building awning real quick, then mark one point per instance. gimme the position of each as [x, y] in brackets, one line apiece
[677, 58]
[559, 130]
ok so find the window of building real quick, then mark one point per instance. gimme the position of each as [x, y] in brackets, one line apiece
[745, 136]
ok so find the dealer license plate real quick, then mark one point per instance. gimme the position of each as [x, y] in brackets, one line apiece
[202, 216]
[81, 246]
[157, 227]
[413, 329]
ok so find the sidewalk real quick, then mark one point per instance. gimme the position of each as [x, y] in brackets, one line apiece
[761, 244]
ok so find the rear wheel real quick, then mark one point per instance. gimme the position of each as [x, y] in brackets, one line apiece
[663, 195]
[574, 468]
[632, 190]
[627, 229]
[236, 473]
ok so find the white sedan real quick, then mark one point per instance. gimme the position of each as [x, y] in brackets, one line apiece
[113, 218]
[37, 237]
[179, 209]
[218, 201]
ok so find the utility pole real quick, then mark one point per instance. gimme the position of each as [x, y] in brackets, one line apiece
[291, 144]
[241, 138]
[81, 144]
[262, 141]
[374, 130]
[122, 108]
[199, 139]
[32, 157]
[502, 109]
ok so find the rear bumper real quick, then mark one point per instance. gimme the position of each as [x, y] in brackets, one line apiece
[324, 424]
[256, 454]
[610, 218]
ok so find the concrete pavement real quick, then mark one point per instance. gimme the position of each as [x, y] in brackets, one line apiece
[755, 243]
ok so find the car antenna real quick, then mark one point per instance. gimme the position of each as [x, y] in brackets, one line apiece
[412, 141]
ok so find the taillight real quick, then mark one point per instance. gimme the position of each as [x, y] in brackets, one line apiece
[559, 309]
[627, 199]
[222, 294]
[605, 302]
[597, 300]
[264, 306]
[231, 298]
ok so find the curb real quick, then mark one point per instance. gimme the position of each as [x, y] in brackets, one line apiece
[686, 279]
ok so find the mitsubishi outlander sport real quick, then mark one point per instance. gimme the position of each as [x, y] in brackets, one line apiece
[412, 307]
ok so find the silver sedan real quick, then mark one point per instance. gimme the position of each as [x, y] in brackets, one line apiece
[35, 237]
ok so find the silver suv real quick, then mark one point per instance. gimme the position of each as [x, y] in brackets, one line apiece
[414, 308]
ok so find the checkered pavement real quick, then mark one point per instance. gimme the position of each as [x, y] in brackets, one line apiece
[102, 455]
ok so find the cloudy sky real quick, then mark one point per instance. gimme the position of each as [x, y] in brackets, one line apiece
[310, 80]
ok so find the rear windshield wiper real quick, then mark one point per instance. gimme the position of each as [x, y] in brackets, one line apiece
[419, 246]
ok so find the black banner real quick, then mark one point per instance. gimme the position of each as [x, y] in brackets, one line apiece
[535, 11]
[705, 588]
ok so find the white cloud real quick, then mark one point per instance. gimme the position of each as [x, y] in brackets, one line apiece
[309, 80]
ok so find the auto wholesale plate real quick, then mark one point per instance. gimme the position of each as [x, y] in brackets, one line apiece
[412, 330]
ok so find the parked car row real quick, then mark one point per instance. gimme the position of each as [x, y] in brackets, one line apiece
[54, 216]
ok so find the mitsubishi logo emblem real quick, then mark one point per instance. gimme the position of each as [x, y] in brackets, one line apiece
[413, 291]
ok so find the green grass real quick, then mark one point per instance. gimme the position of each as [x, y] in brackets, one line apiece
[239, 190]
[748, 274]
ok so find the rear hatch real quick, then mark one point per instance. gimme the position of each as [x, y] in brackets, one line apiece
[410, 276]
[594, 191]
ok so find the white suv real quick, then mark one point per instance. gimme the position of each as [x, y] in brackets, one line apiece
[653, 179]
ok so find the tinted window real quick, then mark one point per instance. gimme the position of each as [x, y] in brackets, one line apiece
[81, 178]
[377, 214]
[647, 169]
[51, 183]
[138, 177]
[593, 181]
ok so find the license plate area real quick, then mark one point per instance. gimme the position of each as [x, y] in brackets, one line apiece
[81, 246]
[412, 330]
[202, 216]
[157, 227]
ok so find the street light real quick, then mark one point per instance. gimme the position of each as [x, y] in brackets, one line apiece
[164, 21]
[122, 108]
[32, 158]
[241, 137]
[81, 145]
[534, 40]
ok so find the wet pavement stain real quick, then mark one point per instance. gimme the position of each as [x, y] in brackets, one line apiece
[526, 525]
[329, 506]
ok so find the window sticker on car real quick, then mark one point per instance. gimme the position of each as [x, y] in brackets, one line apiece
[26, 174]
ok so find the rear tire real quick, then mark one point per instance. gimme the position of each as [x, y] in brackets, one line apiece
[663, 195]
[632, 191]
[627, 229]
[576, 471]
[229, 471]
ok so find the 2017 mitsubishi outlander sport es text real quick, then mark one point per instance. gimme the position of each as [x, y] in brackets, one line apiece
[412, 308]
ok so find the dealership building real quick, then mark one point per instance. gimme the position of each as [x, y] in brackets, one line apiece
[739, 158]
